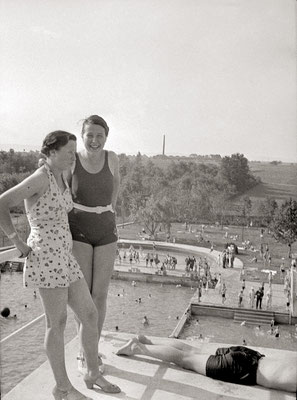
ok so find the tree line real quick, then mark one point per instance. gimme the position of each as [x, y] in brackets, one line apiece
[179, 190]
[161, 190]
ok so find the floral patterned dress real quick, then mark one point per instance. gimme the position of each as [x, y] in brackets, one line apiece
[51, 263]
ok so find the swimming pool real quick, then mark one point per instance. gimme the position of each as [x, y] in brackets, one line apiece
[222, 330]
[23, 353]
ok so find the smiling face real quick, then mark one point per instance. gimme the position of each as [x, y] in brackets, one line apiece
[94, 138]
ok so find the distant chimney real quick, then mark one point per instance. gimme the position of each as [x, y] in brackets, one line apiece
[163, 145]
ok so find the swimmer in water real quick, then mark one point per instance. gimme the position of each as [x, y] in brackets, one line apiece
[5, 313]
[276, 332]
[145, 320]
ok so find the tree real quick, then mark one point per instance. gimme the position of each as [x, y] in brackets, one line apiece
[12, 161]
[156, 212]
[219, 206]
[235, 170]
[246, 207]
[167, 211]
[132, 191]
[149, 216]
[284, 225]
[267, 209]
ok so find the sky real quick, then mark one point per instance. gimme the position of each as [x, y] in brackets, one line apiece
[213, 76]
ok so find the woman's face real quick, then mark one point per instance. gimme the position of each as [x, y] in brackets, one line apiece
[65, 156]
[94, 138]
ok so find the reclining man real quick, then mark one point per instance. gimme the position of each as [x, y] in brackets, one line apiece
[236, 364]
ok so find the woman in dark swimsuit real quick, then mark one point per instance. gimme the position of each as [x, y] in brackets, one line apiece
[94, 184]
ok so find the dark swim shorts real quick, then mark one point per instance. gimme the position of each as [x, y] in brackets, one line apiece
[236, 364]
[91, 228]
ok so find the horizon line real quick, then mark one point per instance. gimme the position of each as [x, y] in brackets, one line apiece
[27, 148]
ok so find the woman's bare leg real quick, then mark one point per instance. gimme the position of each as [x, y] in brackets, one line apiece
[83, 252]
[80, 301]
[103, 265]
[184, 359]
[55, 307]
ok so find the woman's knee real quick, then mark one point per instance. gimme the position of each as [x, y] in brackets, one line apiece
[90, 317]
[56, 322]
[99, 299]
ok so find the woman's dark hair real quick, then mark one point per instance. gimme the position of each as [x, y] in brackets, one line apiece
[55, 140]
[95, 120]
[5, 312]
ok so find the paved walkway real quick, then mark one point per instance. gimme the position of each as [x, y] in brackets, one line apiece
[231, 276]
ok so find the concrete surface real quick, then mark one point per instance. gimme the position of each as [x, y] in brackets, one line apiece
[142, 378]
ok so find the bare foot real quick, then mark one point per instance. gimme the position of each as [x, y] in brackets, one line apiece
[143, 339]
[129, 349]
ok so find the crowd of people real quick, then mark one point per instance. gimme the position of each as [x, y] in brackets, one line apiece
[153, 259]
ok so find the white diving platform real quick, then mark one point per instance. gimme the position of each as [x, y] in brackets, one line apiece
[143, 378]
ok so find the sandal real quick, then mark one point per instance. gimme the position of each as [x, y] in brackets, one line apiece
[102, 383]
[82, 365]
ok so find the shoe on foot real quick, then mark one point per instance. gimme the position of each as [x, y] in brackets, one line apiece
[101, 365]
[102, 383]
[82, 365]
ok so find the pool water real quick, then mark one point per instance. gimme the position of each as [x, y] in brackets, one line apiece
[24, 352]
[221, 330]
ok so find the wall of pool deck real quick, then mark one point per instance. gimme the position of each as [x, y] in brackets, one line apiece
[194, 308]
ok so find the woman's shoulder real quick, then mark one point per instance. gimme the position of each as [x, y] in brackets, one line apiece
[39, 178]
[113, 162]
[112, 155]
[34, 184]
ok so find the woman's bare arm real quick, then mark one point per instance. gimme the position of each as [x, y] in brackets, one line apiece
[29, 189]
[116, 178]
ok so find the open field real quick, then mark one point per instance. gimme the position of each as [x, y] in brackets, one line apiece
[278, 181]
[281, 174]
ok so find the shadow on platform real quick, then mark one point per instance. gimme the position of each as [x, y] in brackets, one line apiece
[142, 378]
